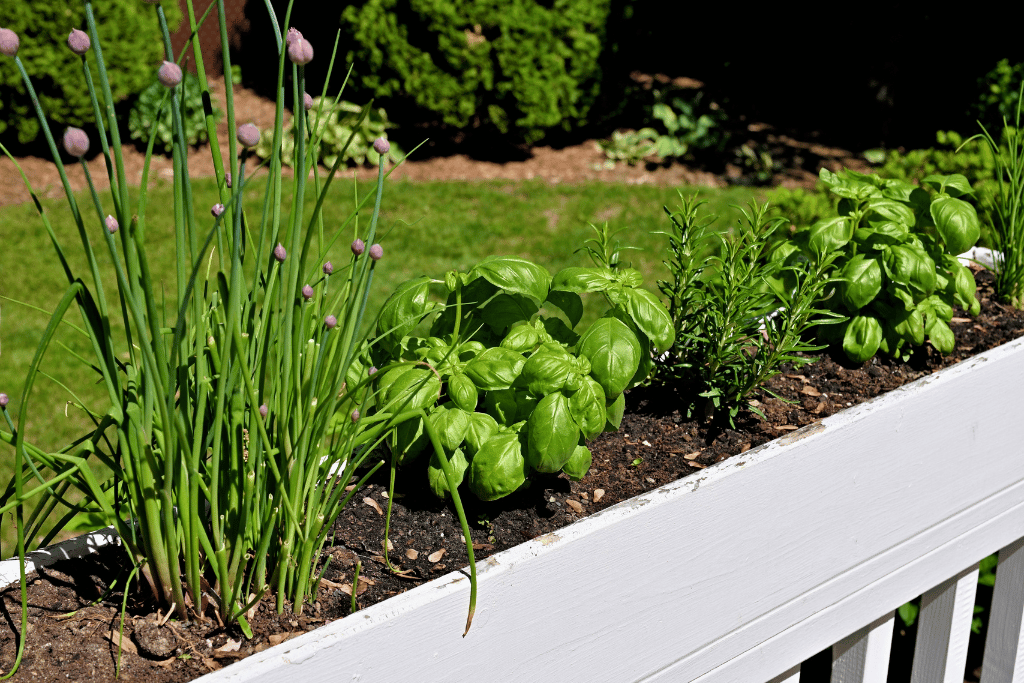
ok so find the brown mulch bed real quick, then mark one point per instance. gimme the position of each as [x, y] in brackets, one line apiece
[654, 446]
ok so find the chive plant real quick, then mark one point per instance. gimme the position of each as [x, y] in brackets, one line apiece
[1008, 211]
[239, 416]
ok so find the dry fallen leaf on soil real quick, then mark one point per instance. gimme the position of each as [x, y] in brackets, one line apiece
[691, 456]
[126, 645]
[959, 320]
[810, 391]
[278, 638]
[576, 507]
[436, 557]
[598, 494]
[412, 554]
[483, 546]
[372, 503]
[391, 546]
[230, 646]
[787, 428]
[745, 447]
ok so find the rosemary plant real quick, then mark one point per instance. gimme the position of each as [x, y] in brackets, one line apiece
[239, 415]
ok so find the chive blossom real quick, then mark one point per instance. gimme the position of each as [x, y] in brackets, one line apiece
[355, 416]
[328, 268]
[307, 292]
[330, 322]
[300, 51]
[279, 253]
[292, 35]
[381, 146]
[307, 101]
[227, 179]
[4, 400]
[217, 210]
[264, 410]
[376, 252]
[358, 247]
[169, 74]
[111, 224]
[76, 142]
[9, 42]
[248, 135]
[79, 41]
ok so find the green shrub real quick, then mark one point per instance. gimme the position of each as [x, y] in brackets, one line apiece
[520, 66]
[145, 112]
[1000, 89]
[130, 40]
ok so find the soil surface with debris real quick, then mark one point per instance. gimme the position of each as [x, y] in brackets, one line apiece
[75, 608]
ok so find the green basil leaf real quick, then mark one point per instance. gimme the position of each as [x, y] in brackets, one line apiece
[579, 463]
[450, 424]
[525, 404]
[462, 392]
[494, 369]
[587, 406]
[474, 295]
[409, 388]
[965, 287]
[403, 311]
[614, 412]
[890, 210]
[435, 475]
[650, 315]
[954, 185]
[552, 435]
[863, 277]
[579, 280]
[911, 266]
[899, 190]
[516, 275]
[829, 234]
[569, 303]
[505, 310]
[522, 338]
[628, 277]
[498, 468]
[501, 405]
[559, 331]
[940, 335]
[614, 354]
[863, 335]
[906, 325]
[545, 373]
[956, 222]
[481, 427]
[409, 440]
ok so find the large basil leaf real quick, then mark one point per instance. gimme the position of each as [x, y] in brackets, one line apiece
[912, 266]
[552, 434]
[587, 407]
[495, 369]
[559, 331]
[578, 464]
[906, 323]
[521, 338]
[614, 354]
[965, 288]
[462, 392]
[410, 388]
[957, 223]
[863, 335]
[569, 303]
[474, 295]
[498, 468]
[615, 410]
[650, 315]
[628, 277]
[901, 190]
[515, 274]
[544, 373]
[501, 405]
[850, 185]
[403, 311]
[481, 427]
[829, 234]
[889, 210]
[435, 475]
[409, 440]
[954, 185]
[505, 310]
[937, 313]
[863, 277]
[578, 280]
[450, 424]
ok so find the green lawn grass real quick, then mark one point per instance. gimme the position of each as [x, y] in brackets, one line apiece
[429, 228]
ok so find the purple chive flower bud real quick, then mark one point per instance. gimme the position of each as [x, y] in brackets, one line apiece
[307, 101]
[9, 42]
[248, 135]
[372, 371]
[358, 247]
[76, 142]
[355, 416]
[279, 253]
[111, 224]
[300, 51]
[169, 74]
[330, 322]
[292, 35]
[4, 400]
[376, 252]
[79, 41]
[227, 179]
[381, 146]
[264, 410]
[307, 292]
[328, 268]
[217, 210]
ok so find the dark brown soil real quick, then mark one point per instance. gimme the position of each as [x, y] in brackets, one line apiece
[70, 637]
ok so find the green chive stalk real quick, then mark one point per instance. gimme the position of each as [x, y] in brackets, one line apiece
[241, 411]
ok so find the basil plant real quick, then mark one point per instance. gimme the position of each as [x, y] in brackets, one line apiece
[898, 245]
[509, 386]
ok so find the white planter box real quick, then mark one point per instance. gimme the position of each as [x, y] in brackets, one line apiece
[735, 573]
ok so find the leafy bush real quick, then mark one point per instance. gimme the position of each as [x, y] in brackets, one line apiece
[897, 247]
[523, 66]
[507, 383]
[337, 127]
[739, 311]
[131, 41]
[146, 113]
[1000, 93]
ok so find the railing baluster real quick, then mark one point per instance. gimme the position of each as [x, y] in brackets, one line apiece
[788, 676]
[944, 629]
[863, 657]
[1004, 651]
